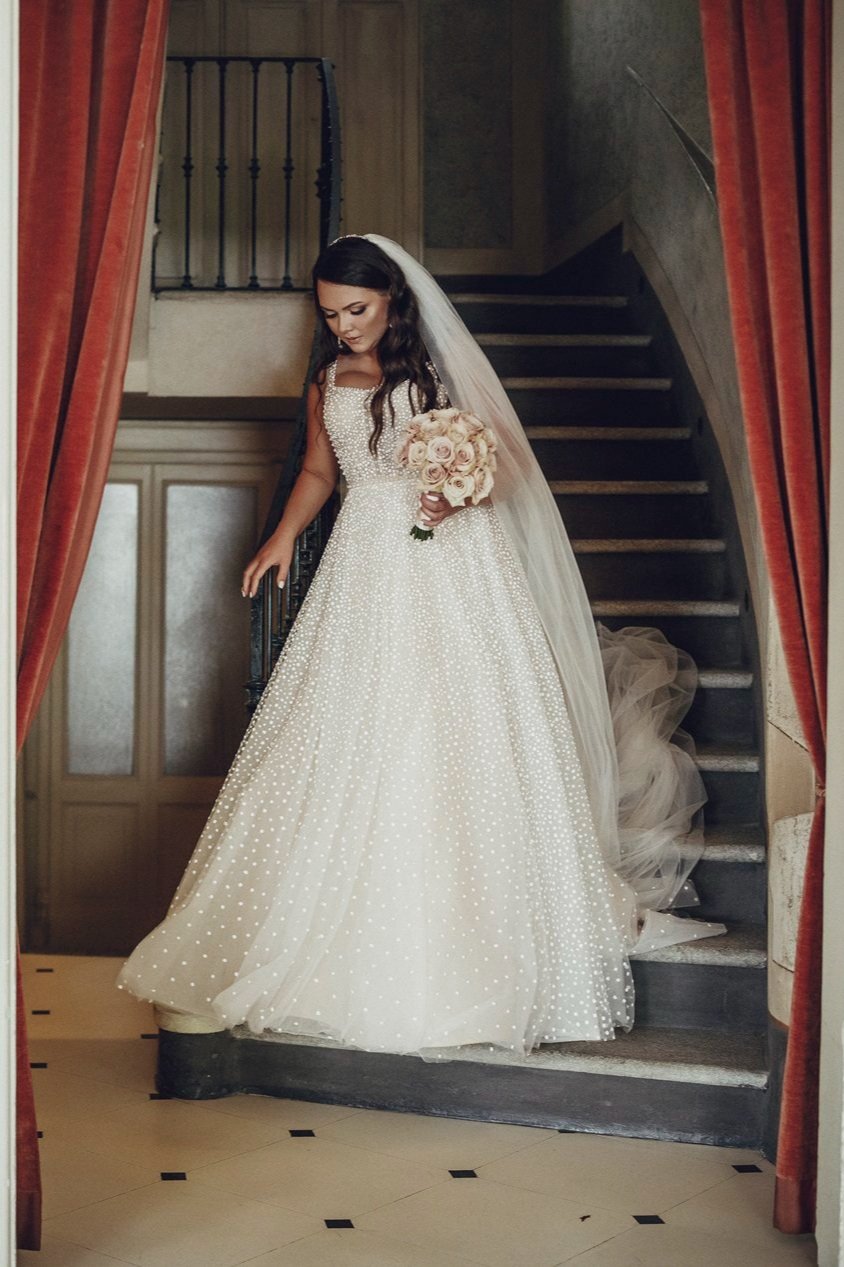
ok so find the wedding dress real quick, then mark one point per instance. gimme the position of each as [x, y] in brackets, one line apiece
[402, 856]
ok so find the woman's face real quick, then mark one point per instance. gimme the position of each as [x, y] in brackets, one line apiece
[358, 315]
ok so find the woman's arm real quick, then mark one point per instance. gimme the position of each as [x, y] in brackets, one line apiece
[313, 486]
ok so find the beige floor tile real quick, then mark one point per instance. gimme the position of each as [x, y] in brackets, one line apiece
[742, 1208]
[166, 1135]
[319, 1176]
[662, 1245]
[452, 1143]
[496, 1225]
[356, 1248]
[72, 1177]
[56, 1253]
[64, 1097]
[176, 1225]
[124, 1062]
[633, 1176]
[291, 1114]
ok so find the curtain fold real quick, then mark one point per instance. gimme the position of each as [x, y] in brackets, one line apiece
[90, 79]
[769, 79]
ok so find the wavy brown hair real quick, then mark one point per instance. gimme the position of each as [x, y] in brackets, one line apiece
[355, 261]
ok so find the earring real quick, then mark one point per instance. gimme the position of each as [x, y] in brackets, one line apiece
[339, 342]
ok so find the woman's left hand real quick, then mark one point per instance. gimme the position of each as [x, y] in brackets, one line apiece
[436, 508]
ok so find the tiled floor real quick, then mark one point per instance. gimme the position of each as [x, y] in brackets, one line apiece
[288, 1183]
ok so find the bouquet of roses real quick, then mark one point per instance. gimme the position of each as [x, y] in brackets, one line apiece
[454, 453]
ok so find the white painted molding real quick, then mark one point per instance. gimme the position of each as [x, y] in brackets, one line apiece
[8, 639]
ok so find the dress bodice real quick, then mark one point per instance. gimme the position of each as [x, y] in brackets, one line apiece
[349, 423]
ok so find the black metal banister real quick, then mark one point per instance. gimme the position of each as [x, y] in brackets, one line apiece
[274, 610]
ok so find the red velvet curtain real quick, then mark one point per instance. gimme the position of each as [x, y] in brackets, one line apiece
[90, 76]
[769, 80]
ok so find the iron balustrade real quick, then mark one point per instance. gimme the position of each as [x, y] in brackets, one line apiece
[233, 122]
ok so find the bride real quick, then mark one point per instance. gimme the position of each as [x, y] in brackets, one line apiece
[456, 810]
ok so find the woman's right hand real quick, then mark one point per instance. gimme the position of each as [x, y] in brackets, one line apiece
[273, 553]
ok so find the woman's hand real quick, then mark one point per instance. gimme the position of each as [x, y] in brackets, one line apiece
[275, 552]
[435, 508]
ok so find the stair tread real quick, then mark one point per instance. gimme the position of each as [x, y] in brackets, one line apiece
[664, 607]
[724, 679]
[574, 301]
[638, 488]
[577, 382]
[674, 1055]
[739, 947]
[496, 339]
[648, 545]
[555, 431]
[728, 842]
[727, 757]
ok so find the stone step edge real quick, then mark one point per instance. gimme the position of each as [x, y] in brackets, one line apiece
[556, 1057]
[585, 383]
[521, 299]
[743, 947]
[519, 340]
[715, 759]
[664, 607]
[636, 488]
[542, 431]
[648, 545]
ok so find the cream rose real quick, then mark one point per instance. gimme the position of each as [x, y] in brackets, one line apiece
[483, 483]
[432, 474]
[417, 454]
[464, 457]
[457, 488]
[440, 449]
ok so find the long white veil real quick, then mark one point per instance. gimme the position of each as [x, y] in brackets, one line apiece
[626, 690]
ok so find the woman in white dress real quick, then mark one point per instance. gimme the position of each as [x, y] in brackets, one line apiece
[454, 814]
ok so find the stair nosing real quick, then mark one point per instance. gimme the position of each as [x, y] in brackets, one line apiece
[724, 954]
[648, 545]
[605, 1060]
[571, 382]
[543, 431]
[636, 488]
[494, 339]
[522, 299]
[725, 679]
[665, 607]
[724, 759]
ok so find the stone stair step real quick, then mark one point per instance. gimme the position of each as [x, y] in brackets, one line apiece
[634, 514]
[705, 636]
[665, 607]
[649, 545]
[735, 842]
[635, 488]
[612, 356]
[692, 574]
[539, 300]
[661, 1083]
[576, 382]
[543, 314]
[564, 340]
[628, 459]
[724, 707]
[537, 431]
[711, 983]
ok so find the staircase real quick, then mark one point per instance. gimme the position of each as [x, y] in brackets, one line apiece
[637, 477]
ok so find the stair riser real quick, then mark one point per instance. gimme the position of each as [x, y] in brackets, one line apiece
[731, 892]
[543, 319]
[674, 576]
[203, 1066]
[733, 797]
[615, 460]
[635, 515]
[708, 639]
[623, 362]
[642, 407]
[719, 715]
[700, 996]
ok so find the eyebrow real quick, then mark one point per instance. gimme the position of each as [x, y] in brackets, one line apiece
[343, 309]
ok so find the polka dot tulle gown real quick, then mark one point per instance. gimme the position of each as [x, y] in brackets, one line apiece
[401, 857]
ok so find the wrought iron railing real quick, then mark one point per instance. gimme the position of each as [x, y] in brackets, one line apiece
[240, 159]
[273, 609]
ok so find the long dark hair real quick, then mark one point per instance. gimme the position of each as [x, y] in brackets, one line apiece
[355, 261]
